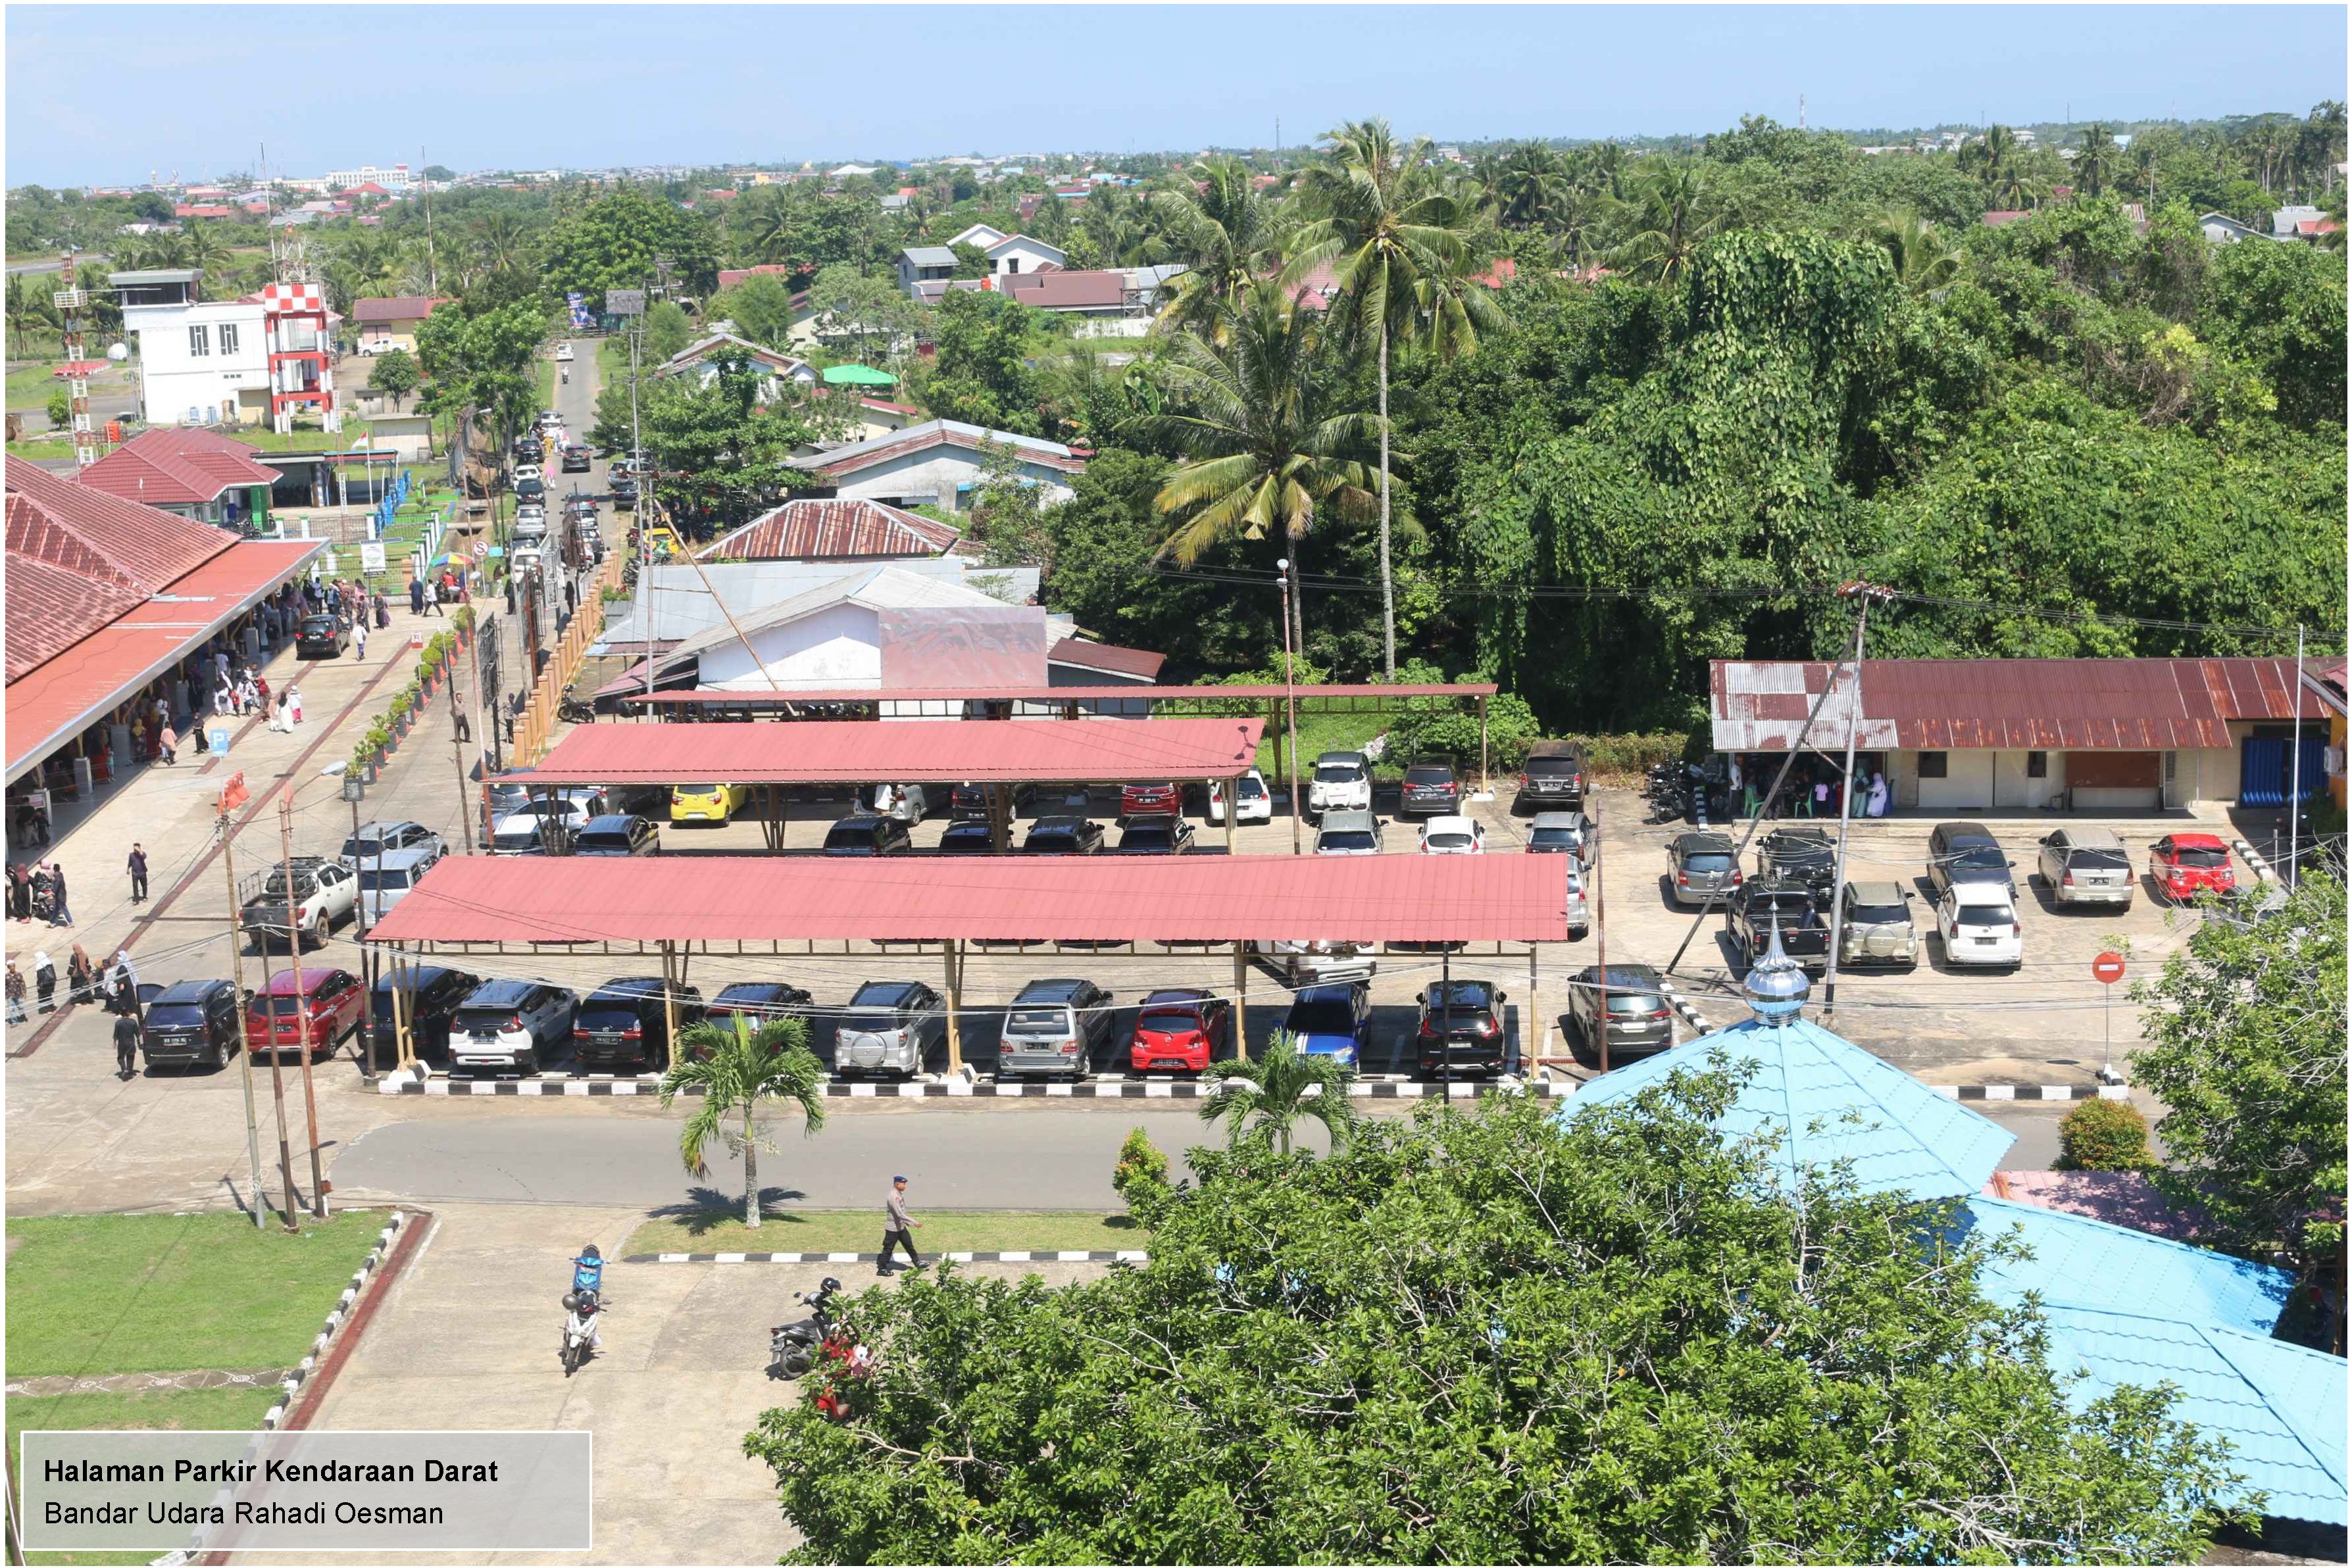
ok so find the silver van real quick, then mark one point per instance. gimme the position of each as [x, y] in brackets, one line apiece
[386, 880]
[1055, 1028]
[2087, 865]
[1348, 833]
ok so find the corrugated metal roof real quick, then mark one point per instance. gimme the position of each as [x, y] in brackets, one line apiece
[2090, 1263]
[685, 597]
[860, 454]
[1181, 898]
[2039, 705]
[170, 466]
[1087, 751]
[1108, 658]
[1062, 694]
[811, 530]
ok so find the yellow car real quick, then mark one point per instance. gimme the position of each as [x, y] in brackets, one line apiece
[715, 803]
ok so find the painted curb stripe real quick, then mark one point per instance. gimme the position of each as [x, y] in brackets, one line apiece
[1028, 1257]
[1543, 1089]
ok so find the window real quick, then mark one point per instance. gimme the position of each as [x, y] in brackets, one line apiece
[200, 343]
[229, 337]
[1012, 263]
[2037, 764]
[1933, 765]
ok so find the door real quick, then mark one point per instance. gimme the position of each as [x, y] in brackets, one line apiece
[2114, 780]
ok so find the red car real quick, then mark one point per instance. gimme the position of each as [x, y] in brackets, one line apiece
[332, 997]
[1151, 799]
[1180, 1030]
[2185, 865]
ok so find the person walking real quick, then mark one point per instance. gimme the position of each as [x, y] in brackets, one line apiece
[45, 983]
[432, 597]
[897, 1229]
[126, 984]
[15, 992]
[137, 865]
[169, 741]
[126, 1047]
[20, 893]
[383, 612]
[41, 823]
[81, 977]
[359, 640]
[416, 596]
[61, 914]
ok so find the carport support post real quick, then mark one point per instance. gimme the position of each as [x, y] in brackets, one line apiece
[1846, 799]
[669, 996]
[245, 1053]
[1240, 999]
[1233, 808]
[301, 1005]
[1485, 786]
[955, 1005]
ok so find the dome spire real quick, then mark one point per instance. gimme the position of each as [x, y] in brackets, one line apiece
[1776, 985]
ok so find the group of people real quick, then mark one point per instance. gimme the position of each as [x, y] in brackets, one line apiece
[115, 984]
[38, 891]
[427, 593]
[1812, 789]
[32, 821]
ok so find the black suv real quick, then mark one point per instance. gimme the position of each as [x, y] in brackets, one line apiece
[973, 836]
[1767, 902]
[193, 1023]
[322, 636]
[971, 799]
[1430, 788]
[1966, 852]
[436, 992]
[626, 1024]
[1154, 835]
[1064, 836]
[867, 834]
[1461, 1029]
[1807, 855]
[758, 1002]
[620, 834]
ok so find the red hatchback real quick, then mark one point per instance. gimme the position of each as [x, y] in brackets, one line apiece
[332, 997]
[1151, 799]
[1180, 1030]
[2183, 866]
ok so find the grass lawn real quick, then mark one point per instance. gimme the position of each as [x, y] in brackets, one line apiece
[1321, 732]
[543, 368]
[30, 384]
[94, 1294]
[167, 1410]
[860, 1230]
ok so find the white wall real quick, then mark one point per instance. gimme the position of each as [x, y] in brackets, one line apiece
[1969, 781]
[934, 474]
[840, 645]
[2011, 787]
[172, 381]
[1024, 258]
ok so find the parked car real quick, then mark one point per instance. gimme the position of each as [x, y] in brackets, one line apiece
[531, 490]
[1064, 836]
[1148, 799]
[192, 1023]
[758, 1003]
[887, 1027]
[864, 834]
[713, 803]
[1579, 906]
[575, 458]
[386, 838]
[527, 471]
[1967, 852]
[1802, 855]
[1702, 868]
[1180, 1030]
[1452, 836]
[326, 894]
[1053, 1029]
[519, 834]
[1255, 802]
[1640, 1022]
[971, 799]
[1563, 834]
[1334, 1020]
[1875, 928]
[1765, 906]
[1348, 832]
[275, 1015]
[2183, 866]
[1430, 788]
[973, 836]
[1553, 775]
[626, 1024]
[1305, 963]
[1155, 835]
[433, 994]
[510, 1025]
[1462, 1030]
[322, 637]
[619, 835]
[2087, 865]
[386, 880]
[1977, 921]
[571, 809]
[905, 803]
[1342, 782]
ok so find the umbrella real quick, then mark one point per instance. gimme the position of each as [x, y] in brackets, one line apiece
[858, 376]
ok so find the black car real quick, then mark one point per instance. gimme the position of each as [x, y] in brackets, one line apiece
[971, 836]
[1641, 1023]
[758, 1003]
[1553, 775]
[531, 490]
[1430, 788]
[1966, 852]
[575, 459]
[1154, 835]
[322, 636]
[434, 993]
[625, 834]
[1064, 836]
[971, 799]
[1788, 907]
[1807, 855]
[1461, 1029]
[867, 834]
[193, 1022]
[626, 1024]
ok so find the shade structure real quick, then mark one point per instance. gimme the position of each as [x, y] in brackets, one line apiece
[2089, 1263]
[858, 376]
[1828, 1100]
[1134, 691]
[1089, 751]
[933, 898]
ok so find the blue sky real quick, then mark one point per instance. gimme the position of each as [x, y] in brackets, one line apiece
[99, 94]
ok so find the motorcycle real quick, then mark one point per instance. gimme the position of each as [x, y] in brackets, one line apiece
[581, 1308]
[572, 710]
[792, 1348]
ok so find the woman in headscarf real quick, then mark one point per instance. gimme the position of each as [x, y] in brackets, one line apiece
[82, 976]
[20, 892]
[126, 983]
[45, 982]
[169, 743]
[16, 993]
[294, 704]
[1877, 806]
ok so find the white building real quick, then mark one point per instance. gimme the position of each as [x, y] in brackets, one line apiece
[938, 463]
[199, 363]
[1017, 253]
[880, 626]
[395, 178]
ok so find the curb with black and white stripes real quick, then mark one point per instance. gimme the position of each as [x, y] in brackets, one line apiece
[336, 1319]
[1039, 1257]
[2254, 862]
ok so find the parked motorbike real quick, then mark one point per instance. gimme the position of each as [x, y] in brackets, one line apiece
[580, 1308]
[572, 710]
[792, 1348]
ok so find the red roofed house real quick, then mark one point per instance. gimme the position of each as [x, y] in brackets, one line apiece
[1998, 220]
[388, 324]
[938, 463]
[808, 529]
[730, 276]
[196, 473]
[202, 209]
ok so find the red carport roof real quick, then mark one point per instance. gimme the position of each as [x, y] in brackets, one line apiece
[705, 697]
[1087, 751]
[1108, 898]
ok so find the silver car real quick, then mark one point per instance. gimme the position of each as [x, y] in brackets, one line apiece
[1348, 833]
[2087, 865]
[1055, 1028]
[1876, 927]
[385, 880]
[887, 1027]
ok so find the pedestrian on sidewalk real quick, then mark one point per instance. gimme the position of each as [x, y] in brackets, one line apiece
[359, 640]
[45, 983]
[383, 612]
[126, 1048]
[457, 716]
[294, 704]
[416, 596]
[897, 1229]
[40, 824]
[16, 991]
[432, 597]
[281, 717]
[60, 912]
[137, 865]
[126, 984]
[169, 743]
[20, 893]
[82, 976]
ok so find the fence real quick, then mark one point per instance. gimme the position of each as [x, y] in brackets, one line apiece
[533, 729]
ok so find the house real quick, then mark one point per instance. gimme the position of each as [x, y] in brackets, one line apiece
[897, 201]
[388, 324]
[686, 598]
[880, 416]
[2285, 222]
[1076, 190]
[195, 473]
[1971, 735]
[202, 209]
[201, 362]
[1027, 207]
[697, 359]
[1119, 301]
[2220, 228]
[939, 462]
[924, 264]
[1017, 253]
[839, 530]
[980, 234]
[1083, 662]
[2324, 680]
[409, 432]
[730, 276]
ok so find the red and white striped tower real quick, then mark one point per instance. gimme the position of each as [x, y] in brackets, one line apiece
[71, 302]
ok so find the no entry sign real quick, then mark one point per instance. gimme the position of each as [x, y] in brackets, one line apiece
[2108, 968]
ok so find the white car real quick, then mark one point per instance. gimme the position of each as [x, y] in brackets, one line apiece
[1313, 962]
[563, 351]
[1256, 803]
[529, 471]
[1342, 782]
[511, 1025]
[1452, 836]
[1977, 921]
[1579, 907]
[901, 802]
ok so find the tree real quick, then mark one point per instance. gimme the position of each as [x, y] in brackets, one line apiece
[667, 329]
[1924, 259]
[723, 456]
[982, 374]
[2246, 1052]
[615, 241]
[1497, 1335]
[2103, 1136]
[1221, 233]
[1284, 1086]
[397, 374]
[866, 310]
[1670, 208]
[760, 306]
[2096, 161]
[736, 1069]
[29, 305]
[439, 173]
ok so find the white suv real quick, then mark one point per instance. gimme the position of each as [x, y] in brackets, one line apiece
[508, 1025]
[1977, 921]
[1343, 782]
[1452, 836]
[886, 1026]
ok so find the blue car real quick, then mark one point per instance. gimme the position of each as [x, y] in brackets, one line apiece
[1334, 1020]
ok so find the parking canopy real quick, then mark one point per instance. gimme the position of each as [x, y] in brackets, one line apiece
[682, 899]
[1081, 751]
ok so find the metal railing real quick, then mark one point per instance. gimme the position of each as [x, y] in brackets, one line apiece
[534, 729]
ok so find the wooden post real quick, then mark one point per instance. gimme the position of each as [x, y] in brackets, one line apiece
[955, 1006]
[1233, 808]
[1535, 1015]
[669, 995]
[1240, 999]
[1485, 787]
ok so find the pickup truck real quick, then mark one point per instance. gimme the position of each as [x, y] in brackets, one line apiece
[326, 894]
[1762, 904]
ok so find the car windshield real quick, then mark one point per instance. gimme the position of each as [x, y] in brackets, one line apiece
[1707, 860]
[2099, 860]
[853, 833]
[1252, 789]
[373, 880]
[1980, 856]
[177, 1014]
[881, 994]
[1337, 773]
[1429, 776]
[1472, 997]
[1449, 840]
[606, 1012]
[304, 884]
[698, 789]
[1167, 1021]
[1635, 1002]
[1985, 915]
[1563, 836]
[2200, 857]
[1356, 839]
[1550, 767]
[1147, 837]
[1880, 914]
[1320, 1017]
[516, 837]
[1038, 1020]
[483, 1020]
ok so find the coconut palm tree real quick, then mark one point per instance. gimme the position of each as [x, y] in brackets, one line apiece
[29, 304]
[1925, 262]
[1672, 223]
[202, 248]
[1990, 155]
[737, 1068]
[2096, 162]
[1386, 229]
[1284, 1087]
[1222, 230]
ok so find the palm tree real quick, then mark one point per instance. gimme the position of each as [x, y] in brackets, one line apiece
[1262, 452]
[29, 305]
[1222, 233]
[1925, 261]
[735, 1069]
[1671, 225]
[1284, 1087]
[200, 247]
[499, 234]
[2095, 162]
[1385, 231]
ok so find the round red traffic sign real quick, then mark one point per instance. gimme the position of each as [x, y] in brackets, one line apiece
[2108, 968]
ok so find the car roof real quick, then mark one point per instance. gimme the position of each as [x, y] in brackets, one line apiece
[283, 982]
[752, 990]
[498, 993]
[420, 976]
[1165, 998]
[1964, 831]
[859, 822]
[1627, 974]
[189, 991]
[379, 828]
[1331, 991]
[1693, 843]
[1980, 893]
[970, 828]
[2091, 838]
[1799, 835]
[1557, 819]
[1351, 821]
[1055, 825]
[1058, 990]
[517, 821]
[1435, 759]
[1355, 757]
[2193, 841]
[885, 993]
[1448, 825]
[1876, 892]
[1487, 987]
[399, 860]
[614, 821]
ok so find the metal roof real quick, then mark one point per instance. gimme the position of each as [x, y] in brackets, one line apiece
[2090, 1263]
[1058, 694]
[1087, 751]
[2057, 705]
[1108, 898]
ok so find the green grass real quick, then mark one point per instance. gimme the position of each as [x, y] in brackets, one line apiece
[29, 384]
[1321, 732]
[543, 367]
[163, 1410]
[90, 1295]
[860, 1230]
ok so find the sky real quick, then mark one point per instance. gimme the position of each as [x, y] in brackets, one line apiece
[105, 94]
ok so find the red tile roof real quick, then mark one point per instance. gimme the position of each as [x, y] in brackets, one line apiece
[1174, 898]
[175, 467]
[729, 277]
[1107, 657]
[367, 312]
[833, 529]
[1995, 220]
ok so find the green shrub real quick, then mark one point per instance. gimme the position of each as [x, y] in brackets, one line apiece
[2103, 1136]
[60, 411]
[1629, 754]
[1142, 1174]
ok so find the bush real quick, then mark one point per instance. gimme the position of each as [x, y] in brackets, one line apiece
[60, 411]
[1142, 1174]
[2103, 1136]
[1631, 754]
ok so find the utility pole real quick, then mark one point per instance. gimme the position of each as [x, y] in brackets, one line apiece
[301, 1006]
[1863, 592]
[353, 788]
[1290, 701]
[277, 1067]
[1600, 941]
[244, 1054]
[432, 273]
[2294, 770]
[639, 476]
[456, 734]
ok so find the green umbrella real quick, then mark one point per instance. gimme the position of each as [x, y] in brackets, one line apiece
[858, 376]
